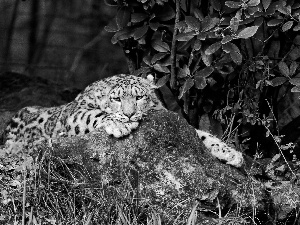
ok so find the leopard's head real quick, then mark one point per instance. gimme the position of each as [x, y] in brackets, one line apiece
[130, 97]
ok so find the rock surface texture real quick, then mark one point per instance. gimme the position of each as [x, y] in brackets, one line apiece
[162, 165]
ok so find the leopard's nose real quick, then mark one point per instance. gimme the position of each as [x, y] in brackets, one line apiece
[129, 114]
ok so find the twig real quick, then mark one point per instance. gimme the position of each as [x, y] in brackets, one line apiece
[173, 48]
[279, 148]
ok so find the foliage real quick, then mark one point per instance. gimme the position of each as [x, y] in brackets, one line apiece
[218, 57]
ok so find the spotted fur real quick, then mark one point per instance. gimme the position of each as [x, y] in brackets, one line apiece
[115, 104]
[221, 150]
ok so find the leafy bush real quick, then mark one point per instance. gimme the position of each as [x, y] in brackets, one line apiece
[224, 58]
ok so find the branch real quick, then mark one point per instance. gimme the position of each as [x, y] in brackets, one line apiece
[173, 48]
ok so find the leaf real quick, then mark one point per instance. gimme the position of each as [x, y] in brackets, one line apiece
[295, 81]
[271, 10]
[157, 57]
[258, 13]
[232, 4]
[259, 21]
[198, 14]
[284, 9]
[122, 35]
[160, 46]
[259, 84]
[208, 23]
[122, 17]
[197, 45]
[266, 4]
[162, 81]
[253, 3]
[274, 22]
[277, 81]
[183, 72]
[202, 36]
[182, 27]
[297, 40]
[188, 84]
[297, 27]
[234, 52]
[283, 69]
[213, 48]
[144, 71]
[112, 26]
[216, 5]
[295, 89]
[286, 26]
[204, 72]
[164, 13]
[140, 32]
[166, 61]
[192, 23]
[293, 68]
[247, 32]
[200, 82]
[234, 24]
[161, 68]
[226, 39]
[253, 10]
[207, 59]
[296, 5]
[275, 158]
[142, 40]
[138, 17]
[294, 54]
[247, 21]
[147, 60]
[154, 26]
[236, 56]
[185, 36]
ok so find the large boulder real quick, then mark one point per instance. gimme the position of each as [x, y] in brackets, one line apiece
[163, 164]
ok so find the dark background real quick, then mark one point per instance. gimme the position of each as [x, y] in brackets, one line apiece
[62, 41]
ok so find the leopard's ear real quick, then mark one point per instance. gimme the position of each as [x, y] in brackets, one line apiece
[151, 80]
[160, 82]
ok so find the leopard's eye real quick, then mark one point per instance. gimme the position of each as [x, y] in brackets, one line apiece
[139, 97]
[117, 99]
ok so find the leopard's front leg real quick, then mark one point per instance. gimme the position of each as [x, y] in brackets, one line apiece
[86, 121]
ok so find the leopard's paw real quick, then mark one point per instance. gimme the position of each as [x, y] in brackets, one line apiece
[118, 129]
[220, 149]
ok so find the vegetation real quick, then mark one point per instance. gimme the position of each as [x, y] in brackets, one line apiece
[232, 61]
[227, 59]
